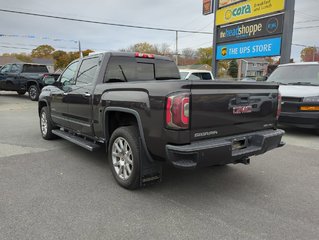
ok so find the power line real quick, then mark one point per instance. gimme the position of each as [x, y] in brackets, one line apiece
[308, 27]
[11, 47]
[307, 21]
[102, 23]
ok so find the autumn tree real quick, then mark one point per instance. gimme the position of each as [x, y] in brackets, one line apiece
[163, 49]
[189, 53]
[62, 58]
[309, 54]
[42, 51]
[205, 55]
[143, 47]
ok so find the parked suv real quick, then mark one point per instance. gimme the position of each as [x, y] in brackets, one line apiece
[299, 87]
[22, 78]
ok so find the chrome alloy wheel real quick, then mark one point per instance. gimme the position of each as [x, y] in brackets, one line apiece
[44, 124]
[122, 158]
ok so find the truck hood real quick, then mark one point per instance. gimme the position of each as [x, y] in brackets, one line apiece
[298, 91]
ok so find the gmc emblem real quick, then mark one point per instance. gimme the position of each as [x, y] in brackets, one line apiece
[242, 109]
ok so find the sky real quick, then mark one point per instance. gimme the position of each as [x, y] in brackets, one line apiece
[182, 14]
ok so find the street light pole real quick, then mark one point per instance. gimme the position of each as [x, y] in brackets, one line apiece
[176, 47]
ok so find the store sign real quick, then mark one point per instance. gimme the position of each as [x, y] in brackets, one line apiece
[260, 48]
[225, 3]
[254, 29]
[208, 7]
[248, 9]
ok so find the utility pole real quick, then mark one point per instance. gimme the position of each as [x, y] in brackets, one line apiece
[177, 48]
[288, 31]
[214, 62]
[80, 50]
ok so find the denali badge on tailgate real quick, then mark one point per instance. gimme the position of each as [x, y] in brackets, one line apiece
[242, 109]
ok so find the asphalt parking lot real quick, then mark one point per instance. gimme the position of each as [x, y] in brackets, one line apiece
[57, 190]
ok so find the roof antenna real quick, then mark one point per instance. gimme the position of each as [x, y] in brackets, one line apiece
[80, 51]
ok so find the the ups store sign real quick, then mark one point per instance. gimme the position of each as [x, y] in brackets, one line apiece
[250, 30]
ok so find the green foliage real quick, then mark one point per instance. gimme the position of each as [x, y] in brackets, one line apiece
[42, 51]
[233, 69]
[205, 56]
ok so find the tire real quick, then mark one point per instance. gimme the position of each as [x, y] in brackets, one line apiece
[34, 92]
[21, 92]
[46, 125]
[125, 167]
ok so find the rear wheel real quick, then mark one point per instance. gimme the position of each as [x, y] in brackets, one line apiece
[34, 92]
[46, 125]
[124, 157]
[21, 92]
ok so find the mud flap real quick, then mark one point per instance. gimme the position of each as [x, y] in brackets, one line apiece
[151, 171]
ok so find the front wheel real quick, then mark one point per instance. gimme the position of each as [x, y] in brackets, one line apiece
[46, 125]
[124, 157]
[34, 92]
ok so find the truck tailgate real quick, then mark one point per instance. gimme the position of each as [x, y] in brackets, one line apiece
[231, 108]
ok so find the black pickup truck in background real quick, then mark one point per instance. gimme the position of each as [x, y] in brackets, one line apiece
[137, 106]
[25, 77]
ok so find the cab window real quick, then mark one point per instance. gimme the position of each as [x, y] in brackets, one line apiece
[5, 69]
[15, 68]
[68, 76]
[87, 71]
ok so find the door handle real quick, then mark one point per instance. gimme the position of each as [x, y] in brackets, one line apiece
[65, 94]
[87, 94]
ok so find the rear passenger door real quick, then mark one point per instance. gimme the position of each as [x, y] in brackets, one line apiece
[80, 96]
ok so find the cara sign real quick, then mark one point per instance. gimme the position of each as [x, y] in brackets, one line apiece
[260, 48]
[248, 9]
[254, 29]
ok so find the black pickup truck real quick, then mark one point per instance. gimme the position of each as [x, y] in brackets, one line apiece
[24, 77]
[138, 107]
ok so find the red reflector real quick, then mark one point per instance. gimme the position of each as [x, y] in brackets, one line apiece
[168, 111]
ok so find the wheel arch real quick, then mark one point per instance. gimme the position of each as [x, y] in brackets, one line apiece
[32, 82]
[42, 103]
[110, 114]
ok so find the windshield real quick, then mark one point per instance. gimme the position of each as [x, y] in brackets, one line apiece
[298, 75]
[183, 75]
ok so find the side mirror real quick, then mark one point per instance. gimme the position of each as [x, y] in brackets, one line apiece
[49, 80]
[66, 88]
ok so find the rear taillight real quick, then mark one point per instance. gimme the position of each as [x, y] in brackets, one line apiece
[178, 111]
[279, 105]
